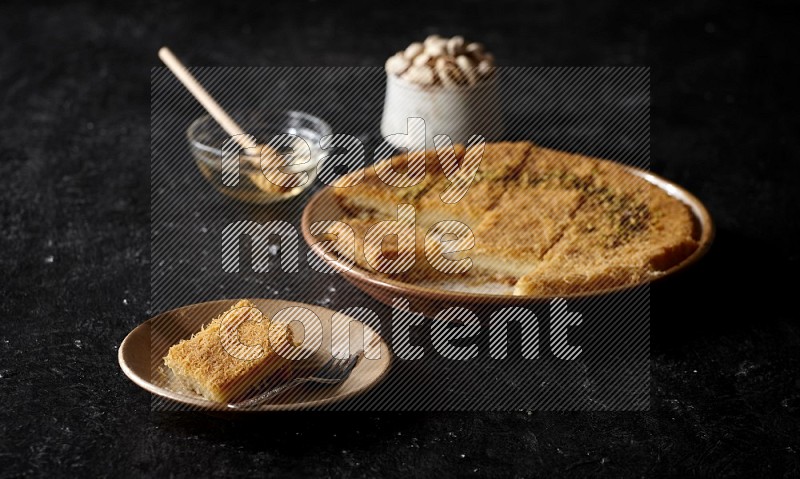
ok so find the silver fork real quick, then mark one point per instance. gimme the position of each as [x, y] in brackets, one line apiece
[333, 372]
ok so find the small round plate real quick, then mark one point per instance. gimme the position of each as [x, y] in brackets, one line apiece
[142, 351]
[432, 298]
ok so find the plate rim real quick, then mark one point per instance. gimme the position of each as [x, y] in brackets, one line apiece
[203, 404]
[359, 276]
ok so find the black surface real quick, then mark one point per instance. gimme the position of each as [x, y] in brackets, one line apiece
[74, 162]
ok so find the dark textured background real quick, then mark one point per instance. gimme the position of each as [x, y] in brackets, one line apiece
[74, 163]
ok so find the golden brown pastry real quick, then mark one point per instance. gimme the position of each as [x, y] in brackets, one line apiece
[547, 221]
[232, 355]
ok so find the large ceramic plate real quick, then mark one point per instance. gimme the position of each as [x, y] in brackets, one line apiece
[432, 297]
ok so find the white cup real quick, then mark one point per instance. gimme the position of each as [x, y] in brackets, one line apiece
[459, 112]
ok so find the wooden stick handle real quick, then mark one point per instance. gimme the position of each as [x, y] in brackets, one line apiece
[196, 89]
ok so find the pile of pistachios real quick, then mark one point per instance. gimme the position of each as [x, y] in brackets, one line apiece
[449, 62]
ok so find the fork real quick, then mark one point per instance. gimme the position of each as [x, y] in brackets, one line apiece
[333, 372]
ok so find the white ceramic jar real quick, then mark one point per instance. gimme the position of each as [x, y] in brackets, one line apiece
[458, 111]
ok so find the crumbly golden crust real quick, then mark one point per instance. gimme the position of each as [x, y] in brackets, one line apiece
[203, 364]
[514, 236]
[422, 268]
[499, 166]
[372, 193]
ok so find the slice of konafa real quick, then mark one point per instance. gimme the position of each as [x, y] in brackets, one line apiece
[622, 235]
[233, 355]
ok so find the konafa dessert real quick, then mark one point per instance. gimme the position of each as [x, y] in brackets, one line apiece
[545, 222]
[233, 355]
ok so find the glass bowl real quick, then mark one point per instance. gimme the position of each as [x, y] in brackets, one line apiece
[206, 140]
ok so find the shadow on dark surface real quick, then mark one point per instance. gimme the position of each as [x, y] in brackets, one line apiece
[290, 433]
[735, 288]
